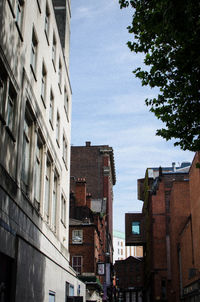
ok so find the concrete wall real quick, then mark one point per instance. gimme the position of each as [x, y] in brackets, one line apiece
[36, 250]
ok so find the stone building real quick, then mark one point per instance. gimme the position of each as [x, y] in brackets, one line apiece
[35, 122]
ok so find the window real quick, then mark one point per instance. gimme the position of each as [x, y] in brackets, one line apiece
[54, 201]
[52, 296]
[38, 169]
[66, 103]
[3, 82]
[34, 48]
[121, 252]
[47, 22]
[54, 51]
[63, 210]
[11, 107]
[8, 102]
[19, 14]
[163, 289]
[71, 290]
[136, 228]
[59, 75]
[26, 150]
[58, 128]
[65, 150]
[77, 236]
[77, 263]
[47, 188]
[43, 83]
[51, 108]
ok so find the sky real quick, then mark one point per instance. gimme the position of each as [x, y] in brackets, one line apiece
[108, 102]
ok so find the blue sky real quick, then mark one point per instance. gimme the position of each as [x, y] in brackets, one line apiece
[108, 101]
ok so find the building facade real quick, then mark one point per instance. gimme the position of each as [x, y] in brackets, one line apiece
[86, 240]
[121, 251]
[165, 229]
[35, 122]
[96, 165]
[129, 279]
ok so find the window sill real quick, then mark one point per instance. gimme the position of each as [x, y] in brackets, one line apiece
[46, 34]
[43, 101]
[11, 8]
[58, 143]
[54, 65]
[50, 122]
[33, 71]
[19, 31]
[39, 6]
[65, 163]
[2, 119]
[36, 205]
[11, 134]
[66, 114]
[59, 85]
[63, 223]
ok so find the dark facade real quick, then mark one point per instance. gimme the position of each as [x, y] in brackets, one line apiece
[129, 279]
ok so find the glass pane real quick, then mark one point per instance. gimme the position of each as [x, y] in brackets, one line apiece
[136, 227]
[51, 297]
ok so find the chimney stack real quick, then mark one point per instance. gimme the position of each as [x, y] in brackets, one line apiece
[80, 192]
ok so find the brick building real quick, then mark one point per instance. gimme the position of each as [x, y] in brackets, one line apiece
[129, 279]
[86, 235]
[166, 209]
[94, 165]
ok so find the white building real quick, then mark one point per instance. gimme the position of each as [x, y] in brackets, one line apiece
[35, 125]
[121, 251]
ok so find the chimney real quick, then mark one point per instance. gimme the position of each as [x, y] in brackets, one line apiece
[174, 167]
[88, 200]
[80, 192]
[160, 171]
[88, 144]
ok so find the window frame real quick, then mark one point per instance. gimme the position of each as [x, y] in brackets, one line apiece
[43, 92]
[58, 129]
[47, 22]
[75, 241]
[51, 109]
[34, 53]
[65, 150]
[77, 267]
[66, 103]
[38, 173]
[47, 193]
[63, 210]
[54, 51]
[28, 139]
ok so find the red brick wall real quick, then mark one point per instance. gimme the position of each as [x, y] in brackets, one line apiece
[180, 211]
[195, 208]
[86, 249]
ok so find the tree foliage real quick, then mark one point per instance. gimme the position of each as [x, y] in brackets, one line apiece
[168, 33]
